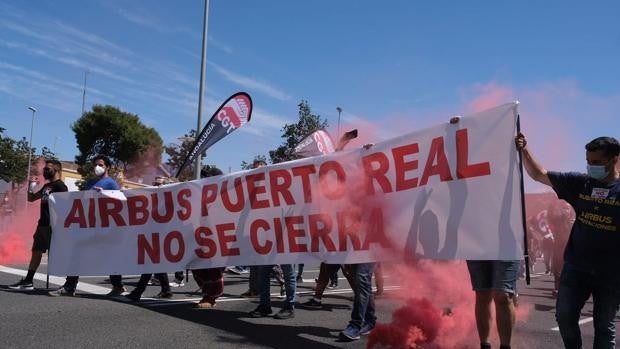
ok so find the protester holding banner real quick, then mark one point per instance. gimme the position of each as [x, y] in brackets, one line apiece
[263, 272]
[103, 181]
[290, 284]
[160, 279]
[363, 317]
[210, 280]
[325, 273]
[494, 282]
[591, 259]
[43, 232]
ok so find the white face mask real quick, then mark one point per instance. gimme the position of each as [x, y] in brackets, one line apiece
[99, 171]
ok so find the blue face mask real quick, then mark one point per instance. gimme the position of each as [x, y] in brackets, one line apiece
[597, 171]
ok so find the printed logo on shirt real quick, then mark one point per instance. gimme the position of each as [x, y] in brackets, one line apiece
[600, 193]
[46, 194]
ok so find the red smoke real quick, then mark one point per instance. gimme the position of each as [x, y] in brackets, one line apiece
[438, 311]
[16, 232]
[416, 323]
[17, 228]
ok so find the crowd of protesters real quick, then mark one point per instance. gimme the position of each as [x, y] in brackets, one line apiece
[584, 261]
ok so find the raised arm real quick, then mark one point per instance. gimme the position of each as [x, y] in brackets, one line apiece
[533, 168]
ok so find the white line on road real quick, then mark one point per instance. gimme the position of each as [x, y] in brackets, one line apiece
[581, 322]
[154, 302]
[82, 286]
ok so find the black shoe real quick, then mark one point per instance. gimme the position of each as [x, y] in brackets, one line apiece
[22, 285]
[164, 295]
[333, 285]
[312, 303]
[261, 311]
[299, 279]
[285, 313]
[133, 296]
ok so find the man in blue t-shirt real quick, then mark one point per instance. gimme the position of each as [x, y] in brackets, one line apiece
[591, 258]
[103, 181]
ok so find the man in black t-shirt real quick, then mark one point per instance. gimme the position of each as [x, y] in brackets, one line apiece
[43, 233]
[591, 258]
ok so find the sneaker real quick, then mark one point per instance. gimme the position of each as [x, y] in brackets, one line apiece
[22, 285]
[312, 303]
[164, 295]
[333, 285]
[177, 283]
[154, 281]
[117, 291]
[233, 270]
[299, 279]
[249, 294]
[133, 296]
[242, 270]
[61, 292]
[285, 313]
[366, 329]
[261, 311]
[350, 334]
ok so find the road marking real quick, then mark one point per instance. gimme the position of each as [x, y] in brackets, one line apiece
[82, 286]
[155, 302]
[581, 322]
[99, 290]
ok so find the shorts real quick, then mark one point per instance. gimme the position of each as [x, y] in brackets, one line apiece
[42, 238]
[494, 275]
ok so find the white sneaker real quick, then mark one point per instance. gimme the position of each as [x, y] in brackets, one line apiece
[61, 292]
[177, 283]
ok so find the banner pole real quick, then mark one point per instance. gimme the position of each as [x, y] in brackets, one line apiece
[523, 219]
[47, 269]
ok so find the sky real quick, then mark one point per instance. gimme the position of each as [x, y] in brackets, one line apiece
[393, 67]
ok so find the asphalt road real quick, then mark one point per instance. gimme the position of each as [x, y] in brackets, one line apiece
[30, 319]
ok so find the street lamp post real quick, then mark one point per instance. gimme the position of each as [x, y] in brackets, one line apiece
[339, 110]
[34, 110]
[203, 61]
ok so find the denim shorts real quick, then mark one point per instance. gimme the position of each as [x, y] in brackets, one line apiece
[494, 275]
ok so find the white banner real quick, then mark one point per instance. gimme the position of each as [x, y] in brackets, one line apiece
[447, 192]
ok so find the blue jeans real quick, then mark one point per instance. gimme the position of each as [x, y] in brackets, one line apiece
[576, 286]
[363, 302]
[265, 285]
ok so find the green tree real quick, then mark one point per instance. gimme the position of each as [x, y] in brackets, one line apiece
[294, 133]
[178, 152]
[48, 154]
[248, 165]
[116, 134]
[14, 158]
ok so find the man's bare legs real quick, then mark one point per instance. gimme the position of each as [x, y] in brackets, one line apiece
[505, 315]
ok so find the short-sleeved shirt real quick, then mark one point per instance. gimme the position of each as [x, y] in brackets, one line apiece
[48, 188]
[594, 240]
[106, 183]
